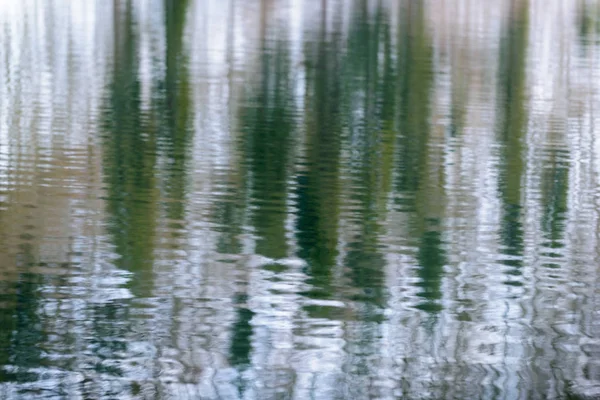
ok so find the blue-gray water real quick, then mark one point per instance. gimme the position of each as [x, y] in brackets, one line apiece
[299, 199]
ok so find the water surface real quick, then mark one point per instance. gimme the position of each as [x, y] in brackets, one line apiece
[326, 199]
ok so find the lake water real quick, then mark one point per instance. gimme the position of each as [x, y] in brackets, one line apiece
[288, 199]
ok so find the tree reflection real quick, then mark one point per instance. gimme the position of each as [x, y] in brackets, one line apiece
[318, 193]
[176, 108]
[352, 149]
[416, 180]
[22, 333]
[512, 123]
[555, 184]
[130, 160]
[588, 21]
[268, 123]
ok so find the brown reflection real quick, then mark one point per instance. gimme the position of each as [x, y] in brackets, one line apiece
[49, 189]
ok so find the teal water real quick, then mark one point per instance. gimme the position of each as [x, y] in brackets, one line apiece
[299, 199]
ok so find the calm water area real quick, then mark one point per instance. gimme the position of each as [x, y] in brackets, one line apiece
[299, 199]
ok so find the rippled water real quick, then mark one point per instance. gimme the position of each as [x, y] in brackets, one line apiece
[318, 199]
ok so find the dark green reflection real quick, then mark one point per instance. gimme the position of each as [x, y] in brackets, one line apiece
[555, 185]
[373, 138]
[242, 333]
[512, 123]
[110, 341]
[417, 179]
[135, 138]
[22, 334]
[588, 21]
[241, 340]
[130, 160]
[432, 259]
[268, 123]
[318, 193]
[415, 80]
[175, 112]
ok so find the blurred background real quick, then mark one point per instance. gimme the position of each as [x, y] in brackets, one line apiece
[294, 199]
